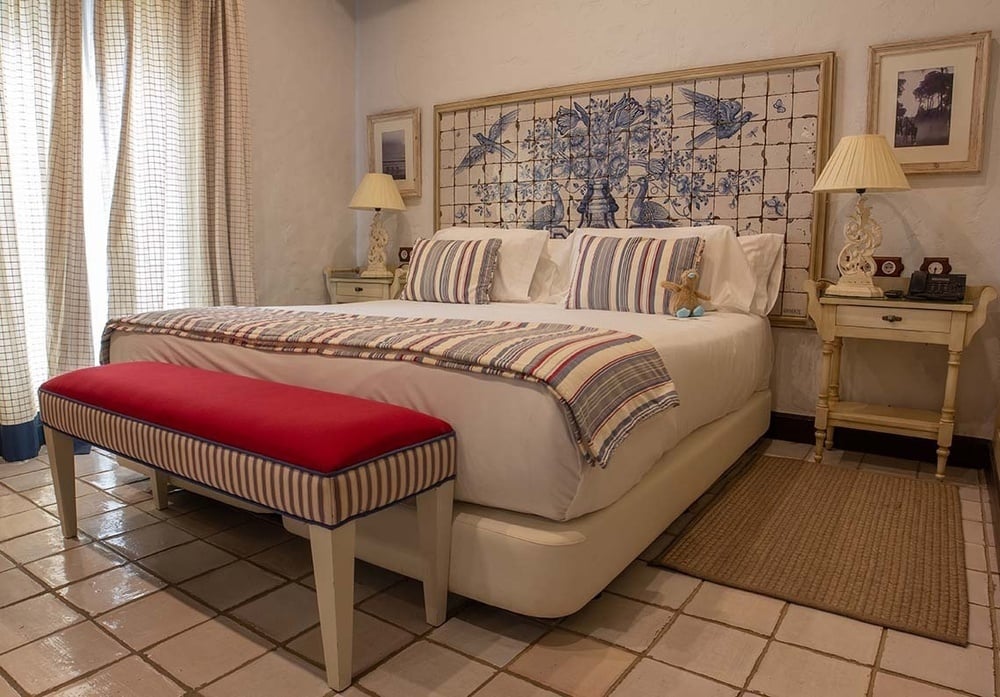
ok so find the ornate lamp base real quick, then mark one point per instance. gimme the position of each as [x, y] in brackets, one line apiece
[863, 236]
[378, 241]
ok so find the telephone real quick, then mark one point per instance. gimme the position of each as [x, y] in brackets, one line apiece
[942, 287]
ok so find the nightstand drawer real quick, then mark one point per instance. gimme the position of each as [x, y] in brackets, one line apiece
[359, 290]
[906, 319]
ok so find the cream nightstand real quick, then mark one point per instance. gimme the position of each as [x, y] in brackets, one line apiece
[349, 287]
[883, 319]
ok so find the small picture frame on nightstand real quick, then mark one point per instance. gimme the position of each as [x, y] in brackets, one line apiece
[404, 254]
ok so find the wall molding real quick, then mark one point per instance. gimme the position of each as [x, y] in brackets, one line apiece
[966, 451]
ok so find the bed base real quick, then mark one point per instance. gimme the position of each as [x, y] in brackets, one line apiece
[543, 568]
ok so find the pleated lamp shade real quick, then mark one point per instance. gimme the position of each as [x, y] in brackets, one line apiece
[862, 162]
[377, 191]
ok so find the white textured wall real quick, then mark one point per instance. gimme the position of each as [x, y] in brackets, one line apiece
[424, 52]
[302, 115]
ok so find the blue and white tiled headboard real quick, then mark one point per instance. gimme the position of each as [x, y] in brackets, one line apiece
[737, 145]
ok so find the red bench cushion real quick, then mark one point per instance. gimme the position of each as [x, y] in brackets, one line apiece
[320, 431]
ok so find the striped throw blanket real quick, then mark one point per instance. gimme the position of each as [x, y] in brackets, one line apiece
[605, 381]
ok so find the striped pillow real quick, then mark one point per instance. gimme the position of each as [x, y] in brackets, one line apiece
[452, 271]
[624, 273]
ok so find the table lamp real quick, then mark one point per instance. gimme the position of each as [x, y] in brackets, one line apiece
[375, 192]
[860, 163]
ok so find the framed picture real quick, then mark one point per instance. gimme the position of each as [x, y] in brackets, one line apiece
[928, 98]
[394, 148]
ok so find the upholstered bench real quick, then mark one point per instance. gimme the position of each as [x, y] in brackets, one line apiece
[323, 458]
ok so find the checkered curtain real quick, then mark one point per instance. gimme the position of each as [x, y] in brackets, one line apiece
[44, 314]
[172, 80]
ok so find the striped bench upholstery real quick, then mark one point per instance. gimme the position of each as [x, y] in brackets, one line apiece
[320, 457]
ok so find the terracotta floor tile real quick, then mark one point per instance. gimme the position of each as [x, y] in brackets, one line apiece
[783, 448]
[109, 479]
[14, 504]
[373, 641]
[110, 589]
[830, 633]
[425, 670]
[488, 634]
[208, 651]
[972, 531]
[46, 495]
[250, 538]
[403, 604]
[74, 564]
[12, 469]
[504, 685]
[710, 649]
[178, 564]
[275, 674]
[131, 677]
[281, 614]
[15, 586]
[972, 510]
[292, 559]
[40, 544]
[573, 664]
[788, 671]
[619, 621]
[24, 522]
[90, 505]
[6, 690]
[894, 686]
[93, 462]
[5, 563]
[31, 480]
[33, 618]
[651, 584]
[969, 668]
[975, 557]
[980, 629]
[116, 522]
[133, 493]
[61, 657]
[148, 540]
[155, 618]
[978, 591]
[757, 613]
[211, 519]
[369, 580]
[653, 679]
[969, 493]
[230, 585]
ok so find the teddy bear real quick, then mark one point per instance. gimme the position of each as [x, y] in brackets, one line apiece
[684, 299]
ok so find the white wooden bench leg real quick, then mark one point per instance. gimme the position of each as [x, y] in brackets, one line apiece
[63, 468]
[434, 524]
[159, 483]
[333, 566]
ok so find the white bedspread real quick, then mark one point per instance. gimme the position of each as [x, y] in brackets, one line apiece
[515, 449]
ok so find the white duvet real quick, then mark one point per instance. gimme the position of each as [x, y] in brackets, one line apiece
[515, 450]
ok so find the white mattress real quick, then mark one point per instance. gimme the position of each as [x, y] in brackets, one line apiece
[515, 450]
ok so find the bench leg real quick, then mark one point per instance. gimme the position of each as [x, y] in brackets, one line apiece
[63, 467]
[333, 566]
[159, 483]
[434, 524]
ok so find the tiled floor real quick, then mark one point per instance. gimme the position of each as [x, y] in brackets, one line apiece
[204, 599]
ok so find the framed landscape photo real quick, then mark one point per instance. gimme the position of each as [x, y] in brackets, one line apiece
[394, 148]
[928, 98]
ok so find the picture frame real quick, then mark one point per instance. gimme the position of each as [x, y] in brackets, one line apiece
[928, 98]
[394, 148]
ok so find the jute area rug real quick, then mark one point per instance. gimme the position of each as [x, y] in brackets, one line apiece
[871, 546]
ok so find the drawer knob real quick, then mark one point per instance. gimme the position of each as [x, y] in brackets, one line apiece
[358, 289]
[892, 318]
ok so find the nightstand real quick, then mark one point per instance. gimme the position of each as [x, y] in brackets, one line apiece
[349, 287]
[884, 319]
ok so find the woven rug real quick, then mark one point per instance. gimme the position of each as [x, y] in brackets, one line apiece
[871, 546]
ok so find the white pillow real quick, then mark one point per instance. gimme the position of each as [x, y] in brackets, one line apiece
[725, 273]
[765, 254]
[553, 273]
[519, 253]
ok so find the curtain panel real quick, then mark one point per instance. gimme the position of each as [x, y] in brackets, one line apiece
[172, 176]
[172, 80]
[44, 314]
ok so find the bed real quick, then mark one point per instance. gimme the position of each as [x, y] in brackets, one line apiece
[537, 530]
